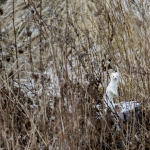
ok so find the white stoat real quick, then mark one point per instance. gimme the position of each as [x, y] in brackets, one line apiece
[112, 90]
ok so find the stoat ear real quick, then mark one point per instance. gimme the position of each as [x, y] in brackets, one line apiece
[111, 75]
[117, 73]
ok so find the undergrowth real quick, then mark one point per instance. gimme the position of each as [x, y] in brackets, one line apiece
[55, 61]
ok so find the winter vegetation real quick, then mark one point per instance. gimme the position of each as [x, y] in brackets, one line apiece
[56, 57]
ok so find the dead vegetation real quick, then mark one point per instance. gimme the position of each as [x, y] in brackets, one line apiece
[55, 60]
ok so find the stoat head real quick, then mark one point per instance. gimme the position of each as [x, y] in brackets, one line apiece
[114, 76]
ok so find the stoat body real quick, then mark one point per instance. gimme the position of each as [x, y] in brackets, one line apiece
[112, 90]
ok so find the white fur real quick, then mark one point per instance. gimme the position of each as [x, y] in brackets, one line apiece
[112, 90]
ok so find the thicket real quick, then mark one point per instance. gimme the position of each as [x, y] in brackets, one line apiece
[55, 61]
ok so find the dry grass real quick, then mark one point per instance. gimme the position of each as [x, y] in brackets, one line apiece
[55, 61]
